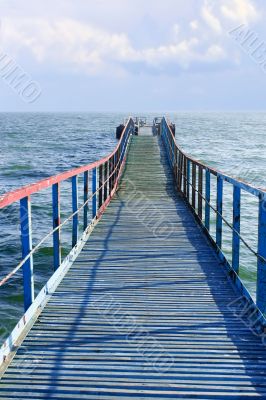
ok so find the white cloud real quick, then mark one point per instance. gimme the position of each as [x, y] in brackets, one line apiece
[69, 43]
[215, 52]
[210, 18]
[242, 11]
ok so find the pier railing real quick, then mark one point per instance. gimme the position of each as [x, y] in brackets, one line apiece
[193, 181]
[100, 180]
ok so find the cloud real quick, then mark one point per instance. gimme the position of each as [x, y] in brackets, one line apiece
[94, 48]
[89, 53]
[210, 18]
[67, 41]
[242, 11]
[83, 47]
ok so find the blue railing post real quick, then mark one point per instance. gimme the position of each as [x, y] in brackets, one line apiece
[219, 204]
[200, 191]
[74, 209]
[193, 194]
[85, 199]
[261, 274]
[188, 179]
[56, 223]
[122, 147]
[105, 178]
[173, 151]
[207, 198]
[236, 228]
[94, 192]
[26, 241]
[115, 171]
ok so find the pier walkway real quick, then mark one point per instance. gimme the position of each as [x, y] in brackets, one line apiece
[146, 309]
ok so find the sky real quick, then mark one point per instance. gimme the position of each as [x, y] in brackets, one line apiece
[134, 55]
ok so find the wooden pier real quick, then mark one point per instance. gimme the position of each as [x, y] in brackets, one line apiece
[146, 306]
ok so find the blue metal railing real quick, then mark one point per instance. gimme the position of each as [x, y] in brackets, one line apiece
[193, 181]
[102, 190]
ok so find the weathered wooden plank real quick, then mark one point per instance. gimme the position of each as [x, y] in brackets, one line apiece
[143, 312]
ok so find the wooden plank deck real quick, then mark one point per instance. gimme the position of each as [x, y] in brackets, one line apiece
[143, 312]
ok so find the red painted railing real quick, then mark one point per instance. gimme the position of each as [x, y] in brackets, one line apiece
[103, 175]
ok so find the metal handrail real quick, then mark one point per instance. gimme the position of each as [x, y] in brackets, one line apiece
[102, 190]
[43, 240]
[16, 195]
[189, 174]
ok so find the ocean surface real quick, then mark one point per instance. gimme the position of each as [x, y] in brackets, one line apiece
[38, 145]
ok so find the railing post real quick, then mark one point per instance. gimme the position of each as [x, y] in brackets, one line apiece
[56, 224]
[178, 169]
[100, 192]
[26, 241]
[184, 175]
[118, 162]
[188, 179]
[114, 175]
[173, 151]
[85, 199]
[168, 143]
[219, 204]
[193, 185]
[181, 170]
[110, 168]
[261, 274]
[74, 209]
[175, 165]
[94, 193]
[200, 188]
[208, 198]
[122, 149]
[236, 227]
[105, 169]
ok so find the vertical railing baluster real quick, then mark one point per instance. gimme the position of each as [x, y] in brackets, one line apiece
[236, 228]
[114, 175]
[74, 210]
[173, 151]
[188, 180]
[261, 264]
[118, 161]
[85, 199]
[56, 224]
[200, 189]
[122, 147]
[207, 198]
[100, 193]
[26, 241]
[105, 169]
[193, 185]
[181, 171]
[94, 192]
[110, 169]
[169, 145]
[178, 169]
[175, 166]
[219, 205]
[184, 175]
